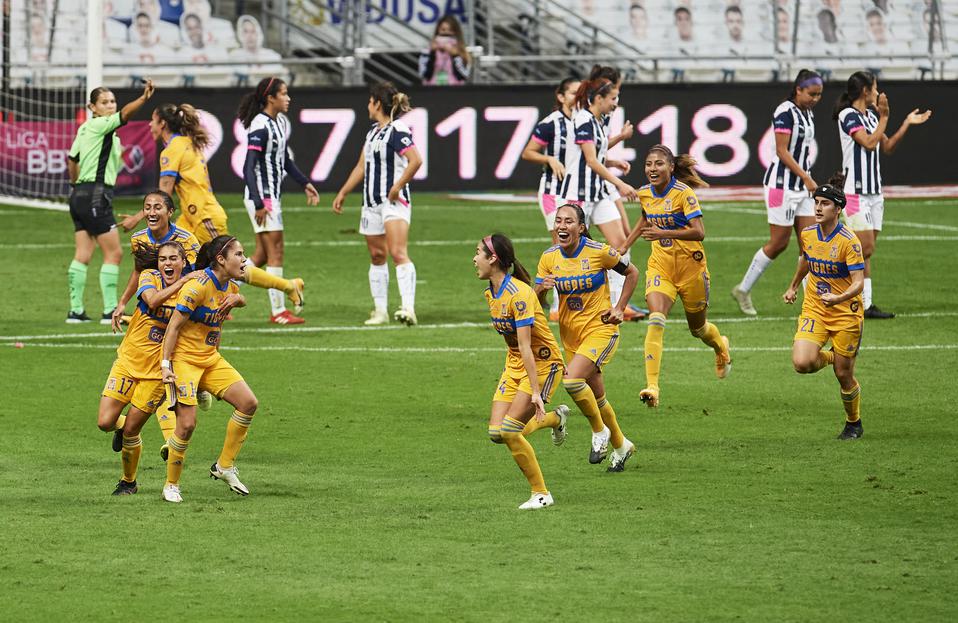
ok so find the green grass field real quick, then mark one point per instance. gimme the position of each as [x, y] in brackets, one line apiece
[377, 496]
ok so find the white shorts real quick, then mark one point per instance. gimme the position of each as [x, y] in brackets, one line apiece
[598, 212]
[373, 220]
[864, 212]
[611, 191]
[783, 205]
[549, 204]
[274, 217]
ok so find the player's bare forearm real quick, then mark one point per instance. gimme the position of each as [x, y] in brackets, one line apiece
[129, 289]
[172, 334]
[641, 224]
[800, 273]
[533, 153]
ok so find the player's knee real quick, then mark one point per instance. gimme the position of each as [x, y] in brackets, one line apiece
[377, 257]
[106, 421]
[804, 366]
[248, 405]
[399, 257]
[774, 248]
[185, 427]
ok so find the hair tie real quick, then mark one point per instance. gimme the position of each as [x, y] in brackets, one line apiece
[268, 85]
[225, 244]
[833, 194]
[808, 82]
[488, 242]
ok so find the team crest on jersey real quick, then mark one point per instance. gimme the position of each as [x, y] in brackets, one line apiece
[697, 256]
[668, 204]
[585, 264]
[545, 352]
[857, 248]
[520, 306]
[505, 310]
[833, 253]
[691, 201]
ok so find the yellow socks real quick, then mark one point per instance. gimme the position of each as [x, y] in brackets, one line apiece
[166, 419]
[262, 279]
[709, 334]
[236, 431]
[825, 358]
[495, 434]
[582, 394]
[131, 457]
[174, 463]
[551, 420]
[120, 421]
[654, 336]
[608, 418]
[852, 403]
[523, 453]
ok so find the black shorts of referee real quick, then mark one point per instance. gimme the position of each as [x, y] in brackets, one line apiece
[91, 206]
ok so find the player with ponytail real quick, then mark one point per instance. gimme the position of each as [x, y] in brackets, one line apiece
[387, 163]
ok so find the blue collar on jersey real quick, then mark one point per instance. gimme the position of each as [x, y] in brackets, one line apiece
[169, 234]
[167, 143]
[818, 230]
[502, 287]
[216, 282]
[575, 253]
[664, 192]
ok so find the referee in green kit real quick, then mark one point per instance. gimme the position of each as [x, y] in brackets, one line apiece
[94, 161]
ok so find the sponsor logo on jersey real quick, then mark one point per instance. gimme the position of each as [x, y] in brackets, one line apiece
[854, 306]
[545, 352]
[697, 256]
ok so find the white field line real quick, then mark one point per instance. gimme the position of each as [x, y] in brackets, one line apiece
[423, 327]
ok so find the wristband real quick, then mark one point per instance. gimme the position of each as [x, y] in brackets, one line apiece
[166, 365]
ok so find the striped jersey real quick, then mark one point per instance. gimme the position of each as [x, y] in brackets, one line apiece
[269, 136]
[831, 260]
[800, 126]
[862, 170]
[385, 162]
[581, 183]
[516, 305]
[555, 134]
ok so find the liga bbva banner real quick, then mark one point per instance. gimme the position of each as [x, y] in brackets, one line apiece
[471, 137]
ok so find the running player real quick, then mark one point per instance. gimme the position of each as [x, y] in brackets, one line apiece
[577, 268]
[788, 180]
[268, 160]
[135, 376]
[832, 258]
[533, 362]
[387, 164]
[93, 163]
[862, 133]
[672, 221]
[549, 146]
[191, 361]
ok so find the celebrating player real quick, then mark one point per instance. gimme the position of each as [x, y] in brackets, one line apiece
[832, 258]
[672, 221]
[576, 267]
[533, 362]
[94, 161]
[862, 133]
[135, 376]
[192, 361]
[549, 146]
[268, 160]
[387, 164]
[788, 180]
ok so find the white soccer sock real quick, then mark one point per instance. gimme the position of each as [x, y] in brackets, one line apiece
[277, 298]
[379, 285]
[406, 277]
[867, 292]
[759, 263]
[555, 301]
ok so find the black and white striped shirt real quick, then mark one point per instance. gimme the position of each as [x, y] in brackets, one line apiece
[269, 136]
[385, 162]
[555, 133]
[800, 126]
[581, 183]
[862, 170]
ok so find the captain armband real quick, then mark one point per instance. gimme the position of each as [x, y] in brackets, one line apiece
[622, 267]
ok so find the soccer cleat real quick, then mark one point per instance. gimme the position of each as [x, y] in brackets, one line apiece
[107, 318]
[538, 500]
[171, 493]
[125, 488]
[553, 315]
[164, 452]
[650, 396]
[871, 312]
[618, 459]
[744, 300]
[723, 361]
[559, 432]
[285, 317]
[376, 318]
[117, 444]
[204, 400]
[230, 476]
[295, 294]
[600, 446]
[406, 316]
[634, 314]
[77, 318]
[852, 430]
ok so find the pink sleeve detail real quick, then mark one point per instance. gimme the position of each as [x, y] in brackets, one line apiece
[855, 129]
[405, 149]
[254, 148]
[538, 140]
[782, 131]
[578, 142]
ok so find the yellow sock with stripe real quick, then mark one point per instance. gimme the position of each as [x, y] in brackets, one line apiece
[523, 453]
[120, 421]
[551, 420]
[130, 455]
[852, 403]
[709, 334]
[495, 434]
[608, 418]
[259, 278]
[166, 419]
[654, 336]
[236, 431]
[174, 462]
[825, 358]
[582, 394]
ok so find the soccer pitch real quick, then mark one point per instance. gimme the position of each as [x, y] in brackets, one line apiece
[376, 494]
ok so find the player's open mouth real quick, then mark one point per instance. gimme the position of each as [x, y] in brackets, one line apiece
[168, 272]
[152, 220]
[653, 177]
[563, 236]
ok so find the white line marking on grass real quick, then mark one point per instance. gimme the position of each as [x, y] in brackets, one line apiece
[935, 226]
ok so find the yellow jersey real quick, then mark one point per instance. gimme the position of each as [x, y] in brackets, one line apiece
[831, 260]
[144, 238]
[140, 350]
[582, 286]
[673, 209]
[199, 336]
[187, 167]
[516, 305]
